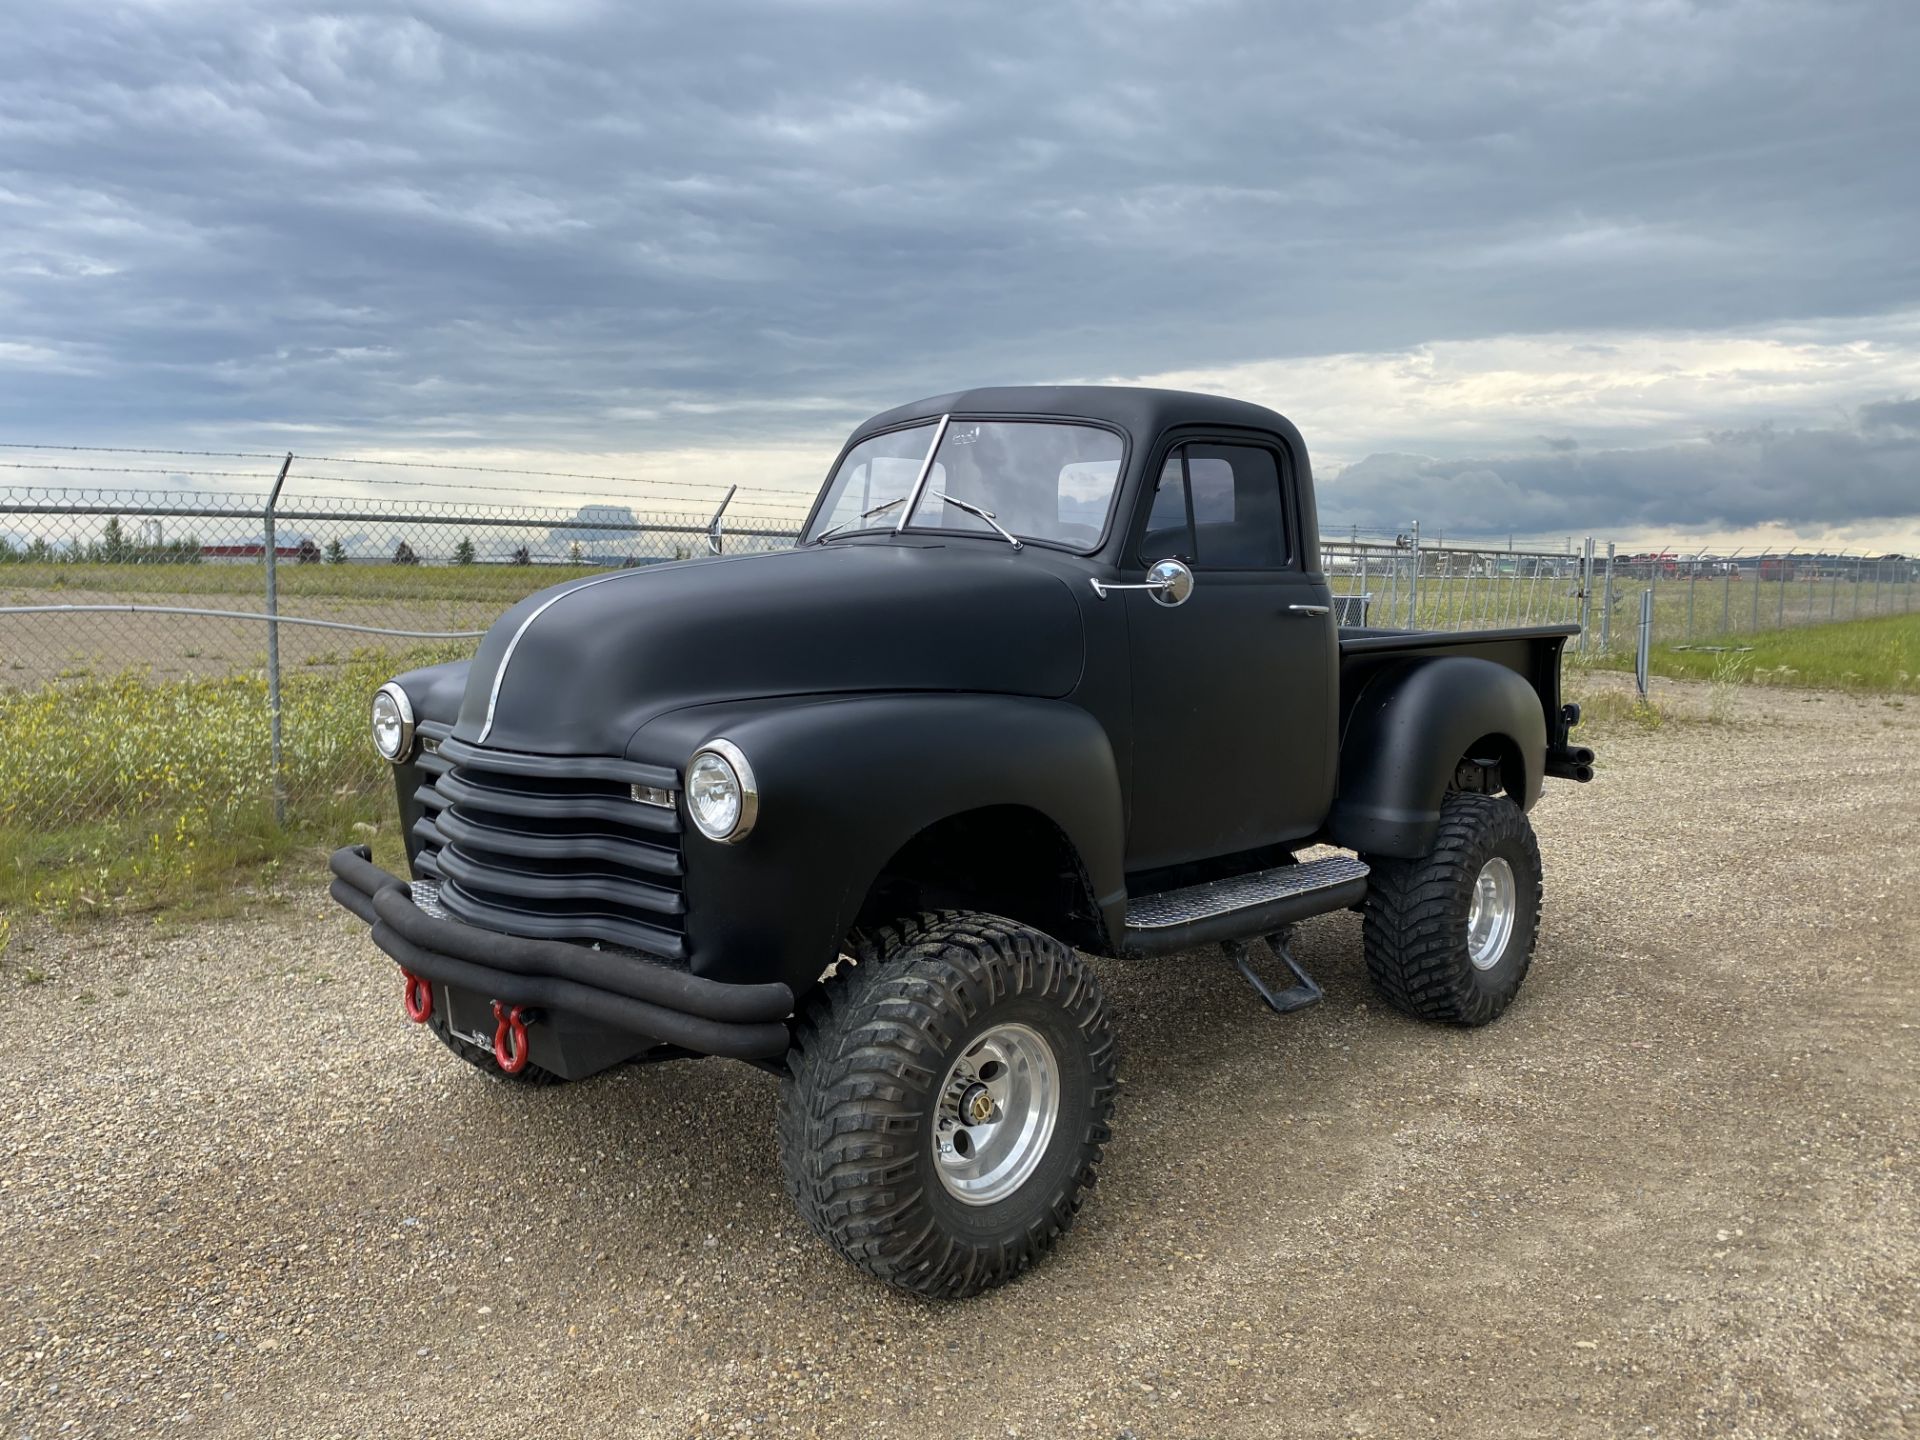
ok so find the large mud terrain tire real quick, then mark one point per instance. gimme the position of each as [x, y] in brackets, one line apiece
[947, 1101]
[1449, 936]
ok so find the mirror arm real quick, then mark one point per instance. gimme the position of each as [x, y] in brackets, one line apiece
[1169, 581]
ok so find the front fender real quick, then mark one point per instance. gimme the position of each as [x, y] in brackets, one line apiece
[845, 782]
[1409, 730]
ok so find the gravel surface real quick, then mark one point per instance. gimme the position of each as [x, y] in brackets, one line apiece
[1673, 1192]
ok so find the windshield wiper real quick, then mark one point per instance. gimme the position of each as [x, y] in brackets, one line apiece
[826, 535]
[986, 515]
[955, 500]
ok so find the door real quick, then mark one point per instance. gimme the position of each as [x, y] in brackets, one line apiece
[1233, 691]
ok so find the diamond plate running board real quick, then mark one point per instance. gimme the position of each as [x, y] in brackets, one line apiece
[1171, 908]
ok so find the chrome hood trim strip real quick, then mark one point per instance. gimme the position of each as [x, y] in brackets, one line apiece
[506, 659]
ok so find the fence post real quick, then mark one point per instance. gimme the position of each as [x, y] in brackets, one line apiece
[1643, 655]
[1833, 593]
[273, 647]
[1413, 582]
[1856, 585]
[1606, 606]
[1759, 576]
[1586, 594]
[1693, 579]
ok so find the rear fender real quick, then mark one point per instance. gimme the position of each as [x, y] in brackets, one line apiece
[1406, 736]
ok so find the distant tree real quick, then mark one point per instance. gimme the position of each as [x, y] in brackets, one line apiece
[403, 554]
[309, 553]
[336, 552]
[575, 554]
[113, 548]
[521, 557]
[463, 553]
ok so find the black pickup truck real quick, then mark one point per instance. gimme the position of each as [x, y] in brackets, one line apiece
[1051, 673]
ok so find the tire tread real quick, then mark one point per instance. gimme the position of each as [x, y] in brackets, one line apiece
[871, 1042]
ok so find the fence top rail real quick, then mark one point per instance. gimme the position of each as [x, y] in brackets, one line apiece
[274, 618]
[189, 504]
[656, 525]
[1387, 547]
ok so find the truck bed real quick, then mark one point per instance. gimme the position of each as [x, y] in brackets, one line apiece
[1531, 651]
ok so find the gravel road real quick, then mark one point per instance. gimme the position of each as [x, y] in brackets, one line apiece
[1673, 1192]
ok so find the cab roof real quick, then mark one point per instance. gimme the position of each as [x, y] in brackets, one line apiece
[1140, 411]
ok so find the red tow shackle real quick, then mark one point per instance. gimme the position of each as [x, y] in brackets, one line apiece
[418, 998]
[510, 1037]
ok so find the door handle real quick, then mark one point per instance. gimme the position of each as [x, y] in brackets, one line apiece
[1310, 609]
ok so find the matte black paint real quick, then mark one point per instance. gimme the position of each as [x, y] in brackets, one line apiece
[883, 684]
[1411, 721]
[846, 783]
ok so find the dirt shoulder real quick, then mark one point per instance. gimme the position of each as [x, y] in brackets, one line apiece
[1673, 1192]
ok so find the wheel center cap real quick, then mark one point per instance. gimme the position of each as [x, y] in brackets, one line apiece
[977, 1105]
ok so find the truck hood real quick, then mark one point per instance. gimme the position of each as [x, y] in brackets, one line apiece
[577, 669]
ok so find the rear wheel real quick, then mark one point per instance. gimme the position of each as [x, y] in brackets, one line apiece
[948, 1101]
[1449, 936]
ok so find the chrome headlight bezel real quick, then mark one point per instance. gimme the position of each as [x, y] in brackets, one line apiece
[404, 710]
[734, 762]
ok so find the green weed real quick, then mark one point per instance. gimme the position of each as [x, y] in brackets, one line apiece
[124, 793]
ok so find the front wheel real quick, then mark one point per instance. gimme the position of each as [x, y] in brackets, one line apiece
[947, 1101]
[1449, 936]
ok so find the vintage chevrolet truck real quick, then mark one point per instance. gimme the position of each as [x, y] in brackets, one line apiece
[1052, 673]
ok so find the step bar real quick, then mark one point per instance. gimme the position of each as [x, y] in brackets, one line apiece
[1241, 907]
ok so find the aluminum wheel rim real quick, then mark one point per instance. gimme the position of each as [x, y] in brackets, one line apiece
[1490, 914]
[995, 1114]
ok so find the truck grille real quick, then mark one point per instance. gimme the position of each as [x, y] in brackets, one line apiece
[554, 847]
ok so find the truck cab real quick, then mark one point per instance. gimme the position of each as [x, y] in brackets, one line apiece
[1051, 673]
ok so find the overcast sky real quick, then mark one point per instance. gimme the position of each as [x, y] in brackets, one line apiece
[1634, 266]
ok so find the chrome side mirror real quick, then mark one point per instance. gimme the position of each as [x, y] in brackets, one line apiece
[1169, 581]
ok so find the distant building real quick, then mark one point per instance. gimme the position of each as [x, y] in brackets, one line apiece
[254, 552]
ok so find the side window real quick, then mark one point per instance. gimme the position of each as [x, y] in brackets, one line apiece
[1212, 482]
[1238, 512]
[1167, 532]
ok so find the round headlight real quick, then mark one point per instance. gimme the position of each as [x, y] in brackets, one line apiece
[721, 799]
[392, 723]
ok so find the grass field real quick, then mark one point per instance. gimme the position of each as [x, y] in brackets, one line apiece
[502, 584]
[122, 791]
[1683, 610]
[1880, 654]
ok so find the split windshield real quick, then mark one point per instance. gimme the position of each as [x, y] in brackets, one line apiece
[1041, 479]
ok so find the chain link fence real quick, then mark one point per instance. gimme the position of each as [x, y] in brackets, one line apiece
[184, 669]
[1703, 600]
[184, 672]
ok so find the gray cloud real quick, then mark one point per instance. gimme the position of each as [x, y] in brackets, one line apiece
[1816, 479]
[590, 224]
[1898, 416]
